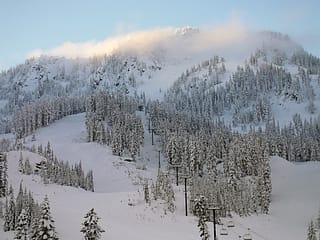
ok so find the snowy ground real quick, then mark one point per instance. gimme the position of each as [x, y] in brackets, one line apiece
[295, 196]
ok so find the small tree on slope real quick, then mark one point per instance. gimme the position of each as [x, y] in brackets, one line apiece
[90, 227]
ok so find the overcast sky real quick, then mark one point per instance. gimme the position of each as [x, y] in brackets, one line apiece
[29, 25]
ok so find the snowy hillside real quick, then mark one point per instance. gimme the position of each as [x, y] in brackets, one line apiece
[119, 201]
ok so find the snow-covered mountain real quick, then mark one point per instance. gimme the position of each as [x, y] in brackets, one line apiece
[222, 107]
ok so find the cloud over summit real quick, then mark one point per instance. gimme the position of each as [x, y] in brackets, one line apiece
[172, 39]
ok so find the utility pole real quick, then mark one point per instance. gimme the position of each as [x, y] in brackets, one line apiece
[152, 143]
[214, 221]
[177, 175]
[185, 194]
[185, 176]
[149, 126]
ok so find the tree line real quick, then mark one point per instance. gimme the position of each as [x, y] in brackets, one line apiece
[52, 170]
[30, 117]
[111, 119]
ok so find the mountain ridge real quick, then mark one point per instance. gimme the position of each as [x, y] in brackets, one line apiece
[156, 70]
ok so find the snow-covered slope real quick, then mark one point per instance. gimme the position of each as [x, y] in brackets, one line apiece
[120, 204]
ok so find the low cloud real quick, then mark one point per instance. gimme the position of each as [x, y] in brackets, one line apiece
[310, 41]
[178, 41]
[136, 41]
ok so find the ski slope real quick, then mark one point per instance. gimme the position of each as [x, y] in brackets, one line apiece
[119, 200]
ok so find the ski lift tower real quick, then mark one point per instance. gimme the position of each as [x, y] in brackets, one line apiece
[214, 209]
[185, 176]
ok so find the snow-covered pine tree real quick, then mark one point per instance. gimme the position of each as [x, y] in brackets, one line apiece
[89, 185]
[3, 175]
[117, 141]
[153, 191]
[318, 219]
[40, 150]
[10, 215]
[172, 150]
[34, 230]
[200, 210]
[32, 207]
[90, 227]
[204, 234]
[44, 173]
[146, 192]
[159, 182]
[19, 202]
[45, 229]
[26, 206]
[33, 148]
[27, 167]
[1, 210]
[48, 152]
[33, 137]
[265, 180]
[101, 133]
[200, 207]
[311, 232]
[169, 194]
[22, 228]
